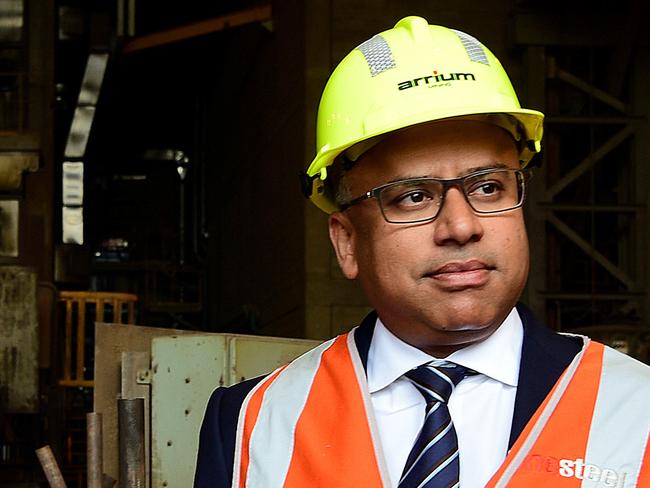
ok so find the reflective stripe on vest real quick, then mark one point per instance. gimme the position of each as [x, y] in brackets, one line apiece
[591, 431]
[311, 424]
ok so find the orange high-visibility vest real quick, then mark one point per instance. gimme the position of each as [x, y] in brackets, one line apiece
[311, 424]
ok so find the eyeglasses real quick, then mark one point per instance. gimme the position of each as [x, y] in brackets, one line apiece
[415, 200]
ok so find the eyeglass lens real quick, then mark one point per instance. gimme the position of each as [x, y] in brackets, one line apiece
[421, 199]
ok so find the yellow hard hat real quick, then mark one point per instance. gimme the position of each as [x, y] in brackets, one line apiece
[410, 74]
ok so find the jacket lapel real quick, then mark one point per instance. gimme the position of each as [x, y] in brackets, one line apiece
[544, 357]
[363, 337]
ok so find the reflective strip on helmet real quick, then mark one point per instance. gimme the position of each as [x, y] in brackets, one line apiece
[378, 55]
[290, 390]
[621, 397]
[473, 47]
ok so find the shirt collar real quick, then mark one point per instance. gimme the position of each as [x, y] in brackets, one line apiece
[498, 356]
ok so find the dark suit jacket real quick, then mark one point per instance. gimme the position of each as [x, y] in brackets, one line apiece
[544, 357]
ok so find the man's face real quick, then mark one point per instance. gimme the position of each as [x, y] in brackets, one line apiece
[444, 284]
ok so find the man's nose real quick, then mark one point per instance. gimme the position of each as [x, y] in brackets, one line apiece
[456, 222]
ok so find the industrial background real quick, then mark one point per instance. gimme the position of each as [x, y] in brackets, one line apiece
[149, 160]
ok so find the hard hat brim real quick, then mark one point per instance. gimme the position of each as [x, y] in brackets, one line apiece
[529, 122]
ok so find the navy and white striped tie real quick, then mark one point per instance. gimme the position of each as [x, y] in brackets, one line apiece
[433, 460]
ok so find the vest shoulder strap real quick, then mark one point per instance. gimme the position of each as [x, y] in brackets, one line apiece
[308, 425]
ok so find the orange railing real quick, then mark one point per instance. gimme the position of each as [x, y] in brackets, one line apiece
[108, 307]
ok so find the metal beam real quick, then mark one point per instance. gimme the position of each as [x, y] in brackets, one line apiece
[574, 237]
[589, 161]
[189, 31]
[580, 84]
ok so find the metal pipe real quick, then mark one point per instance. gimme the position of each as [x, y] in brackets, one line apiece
[256, 14]
[131, 18]
[94, 459]
[50, 467]
[182, 173]
[119, 29]
[131, 433]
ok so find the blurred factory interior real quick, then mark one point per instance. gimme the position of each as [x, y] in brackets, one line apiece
[149, 153]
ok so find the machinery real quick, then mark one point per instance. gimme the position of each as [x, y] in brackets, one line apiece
[172, 373]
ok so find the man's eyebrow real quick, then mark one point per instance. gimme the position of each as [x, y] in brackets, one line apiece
[493, 165]
[406, 177]
[473, 169]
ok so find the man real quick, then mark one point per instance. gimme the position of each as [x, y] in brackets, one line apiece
[421, 163]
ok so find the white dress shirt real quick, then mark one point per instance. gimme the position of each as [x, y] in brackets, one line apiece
[481, 406]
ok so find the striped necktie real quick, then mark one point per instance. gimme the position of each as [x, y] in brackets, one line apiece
[433, 460]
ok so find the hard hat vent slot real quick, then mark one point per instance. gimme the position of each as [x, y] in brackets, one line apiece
[378, 55]
[473, 47]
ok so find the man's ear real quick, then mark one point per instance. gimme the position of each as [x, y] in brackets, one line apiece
[343, 237]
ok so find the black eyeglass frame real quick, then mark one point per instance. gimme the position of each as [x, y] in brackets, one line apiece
[523, 175]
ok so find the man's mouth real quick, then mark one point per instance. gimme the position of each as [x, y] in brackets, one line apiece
[462, 274]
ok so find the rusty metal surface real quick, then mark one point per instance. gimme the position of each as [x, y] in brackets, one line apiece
[94, 449]
[50, 467]
[18, 340]
[110, 341]
[131, 428]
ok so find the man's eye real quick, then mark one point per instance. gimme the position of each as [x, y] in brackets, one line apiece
[486, 188]
[413, 198]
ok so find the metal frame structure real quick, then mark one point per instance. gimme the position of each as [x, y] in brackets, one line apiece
[588, 213]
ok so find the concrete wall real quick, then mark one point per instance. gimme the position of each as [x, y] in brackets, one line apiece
[18, 340]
